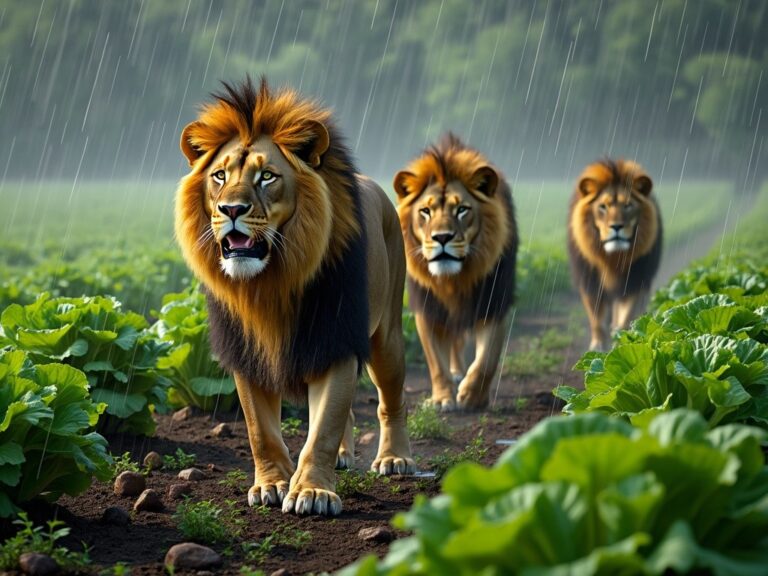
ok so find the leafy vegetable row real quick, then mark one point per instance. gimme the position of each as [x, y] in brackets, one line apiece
[590, 494]
[705, 347]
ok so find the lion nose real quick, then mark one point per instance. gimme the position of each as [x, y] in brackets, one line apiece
[443, 237]
[233, 210]
[617, 227]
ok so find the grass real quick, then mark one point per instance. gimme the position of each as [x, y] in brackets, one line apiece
[206, 523]
[179, 461]
[235, 479]
[425, 421]
[537, 355]
[349, 482]
[285, 535]
[31, 538]
[290, 426]
[475, 451]
[125, 463]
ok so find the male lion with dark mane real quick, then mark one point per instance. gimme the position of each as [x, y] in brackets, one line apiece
[458, 221]
[614, 243]
[284, 234]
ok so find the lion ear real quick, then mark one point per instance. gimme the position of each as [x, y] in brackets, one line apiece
[316, 145]
[588, 186]
[485, 180]
[400, 183]
[643, 184]
[191, 151]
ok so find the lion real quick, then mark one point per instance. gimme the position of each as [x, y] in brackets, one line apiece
[458, 220]
[614, 244]
[284, 234]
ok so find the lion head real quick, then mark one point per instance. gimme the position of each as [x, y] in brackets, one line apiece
[268, 200]
[451, 204]
[613, 214]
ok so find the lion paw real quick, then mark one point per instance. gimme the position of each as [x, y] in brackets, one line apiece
[443, 404]
[345, 460]
[267, 494]
[388, 465]
[471, 398]
[312, 501]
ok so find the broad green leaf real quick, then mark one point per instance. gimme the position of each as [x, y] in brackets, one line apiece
[212, 386]
[11, 453]
[119, 404]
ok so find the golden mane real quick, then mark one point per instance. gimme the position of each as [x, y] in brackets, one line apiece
[324, 223]
[585, 239]
[451, 160]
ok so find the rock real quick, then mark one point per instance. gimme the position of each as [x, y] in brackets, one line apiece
[116, 515]
[183, 414]
[192, 557]
[192, 474]
[376, 534]
[36, 564]
[367, 438]
[153, 461]
[280, 572]
[178, 491]
[223, 430]
[129, 484]
[149, 501]
[212, 468]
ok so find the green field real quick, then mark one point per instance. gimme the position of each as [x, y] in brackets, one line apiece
[116, 237]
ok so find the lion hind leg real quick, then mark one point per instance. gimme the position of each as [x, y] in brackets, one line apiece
[346, 458]
[387, 370]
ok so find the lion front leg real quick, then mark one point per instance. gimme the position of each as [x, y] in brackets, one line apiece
[436, 343]
[474, 390]
[313, 485]
[273, 467]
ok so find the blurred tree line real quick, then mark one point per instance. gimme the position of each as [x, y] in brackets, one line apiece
[97, 88]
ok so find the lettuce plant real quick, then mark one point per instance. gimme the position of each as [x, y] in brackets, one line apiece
[590, 494]
[709, 354]
[196, 378]
[113, 348]
[46, 446]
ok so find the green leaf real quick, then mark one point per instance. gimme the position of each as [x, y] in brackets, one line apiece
[212, 386]
[120, 404]
[11, 453]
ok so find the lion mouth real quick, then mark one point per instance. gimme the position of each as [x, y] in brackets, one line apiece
[238, 245]
[443, 256]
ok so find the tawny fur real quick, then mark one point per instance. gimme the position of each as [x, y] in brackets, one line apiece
[452, 160]
[323, 224]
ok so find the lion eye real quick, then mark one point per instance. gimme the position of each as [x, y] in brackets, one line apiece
[219, 176]
[462, 211]
[267, 177]
[424, 212]
[602, 208]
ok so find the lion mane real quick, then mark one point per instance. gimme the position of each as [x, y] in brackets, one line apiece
[620, 273]
[485, 287]
[309, 308]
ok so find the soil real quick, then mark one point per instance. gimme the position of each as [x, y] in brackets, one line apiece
[517, 405]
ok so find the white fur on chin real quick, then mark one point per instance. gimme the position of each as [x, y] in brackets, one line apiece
[444, 267]
[243, 268]
[617, 245]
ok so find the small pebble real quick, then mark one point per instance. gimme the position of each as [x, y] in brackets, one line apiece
[178, 491]
[116, 515]
[222, 430]
[36, 564]
[129, 484]
[183, 414]
[153, 460]
[367, 438]
[376, 534]
[192, 474]
[192, 556]
[149, 501]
